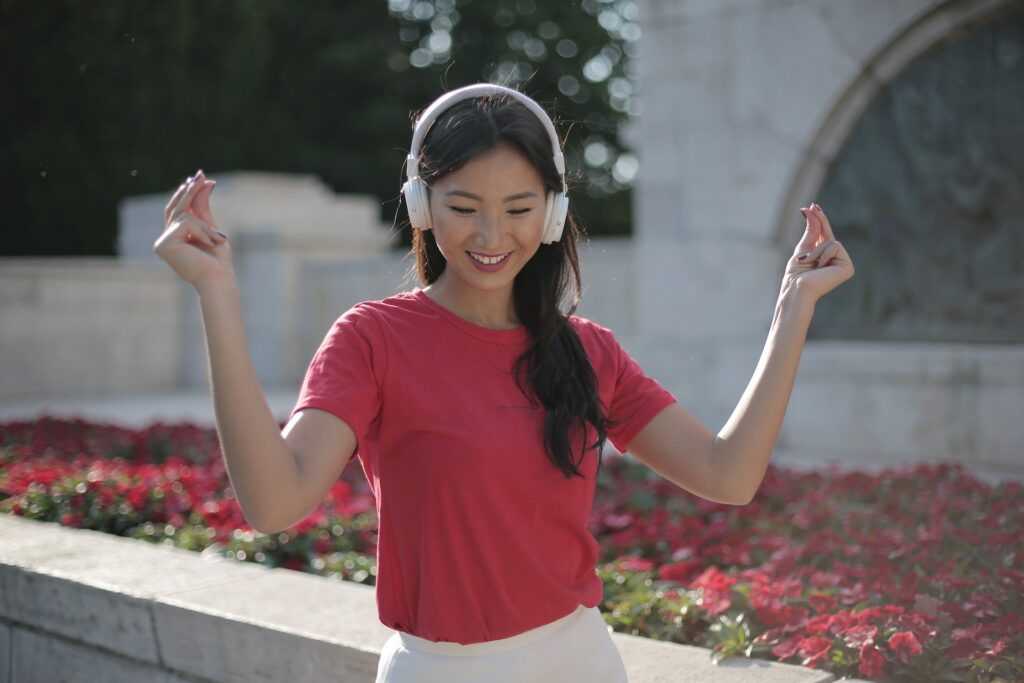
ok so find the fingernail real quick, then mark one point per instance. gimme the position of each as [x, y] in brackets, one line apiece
[802, 257]
[803, 213]
[221, 234]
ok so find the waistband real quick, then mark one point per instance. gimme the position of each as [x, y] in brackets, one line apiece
[412, 642]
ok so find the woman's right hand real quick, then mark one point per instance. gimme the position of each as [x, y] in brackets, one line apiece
[191, 244]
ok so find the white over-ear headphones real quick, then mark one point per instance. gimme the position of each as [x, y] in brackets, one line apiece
[415, 190]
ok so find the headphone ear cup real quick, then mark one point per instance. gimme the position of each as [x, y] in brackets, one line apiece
[549, 207]
[554, 217]
[416, 200]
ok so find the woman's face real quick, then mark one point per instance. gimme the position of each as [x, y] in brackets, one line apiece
[488, 218]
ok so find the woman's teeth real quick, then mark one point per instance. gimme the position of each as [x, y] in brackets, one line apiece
[488, 260]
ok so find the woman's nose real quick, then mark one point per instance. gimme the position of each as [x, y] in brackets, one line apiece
[488, 230]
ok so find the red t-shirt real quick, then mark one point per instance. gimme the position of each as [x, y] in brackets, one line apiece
[480, 535]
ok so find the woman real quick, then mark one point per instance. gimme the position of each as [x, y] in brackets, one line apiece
[478, 408]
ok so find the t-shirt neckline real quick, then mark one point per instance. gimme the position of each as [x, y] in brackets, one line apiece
[514, 335]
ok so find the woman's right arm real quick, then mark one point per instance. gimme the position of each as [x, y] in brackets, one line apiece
[278, 477]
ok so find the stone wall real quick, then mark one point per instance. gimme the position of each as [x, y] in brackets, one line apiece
[745, 106]
[79, 606]
[80, 326]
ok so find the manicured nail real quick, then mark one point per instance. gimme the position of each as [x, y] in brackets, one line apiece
[222, 234]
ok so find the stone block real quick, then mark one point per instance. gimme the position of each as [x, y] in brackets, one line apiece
[999, 444]
[733, 179]
[6, 649]
[88, 614]
[264, 637]
[609, 284]
[301, 206]
[707, 290]
[658, 209]
[901, 403]
[657, 661]
[41, 658]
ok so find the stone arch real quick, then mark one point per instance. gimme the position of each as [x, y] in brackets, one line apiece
[868, 96]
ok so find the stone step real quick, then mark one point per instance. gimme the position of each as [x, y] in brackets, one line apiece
[79, 606]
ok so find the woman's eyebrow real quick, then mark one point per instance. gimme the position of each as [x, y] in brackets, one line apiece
[510, 198]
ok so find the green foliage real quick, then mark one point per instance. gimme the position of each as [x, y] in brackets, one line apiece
[113, 99]
[574, 58]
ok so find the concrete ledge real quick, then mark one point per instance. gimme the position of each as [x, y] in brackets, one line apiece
[81, 606]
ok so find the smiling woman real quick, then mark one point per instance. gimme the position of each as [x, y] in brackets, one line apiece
[478, 407]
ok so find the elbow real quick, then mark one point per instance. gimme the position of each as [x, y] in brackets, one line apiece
[745, 496]
[743, 500]
[268, 529]
[263, 527]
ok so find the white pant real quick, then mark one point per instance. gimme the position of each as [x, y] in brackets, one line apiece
[576, 647]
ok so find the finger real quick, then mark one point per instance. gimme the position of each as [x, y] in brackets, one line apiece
[826, 227]
[829, 253]
[186, 199]
[813, 254]
[175, 198]
[810, 235]
[198, 229]
[201, 202]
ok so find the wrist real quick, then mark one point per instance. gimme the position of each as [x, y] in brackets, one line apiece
[795, 300]
[794, 294]
[215, 283]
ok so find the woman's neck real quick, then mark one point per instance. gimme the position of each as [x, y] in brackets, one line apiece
[493, 309]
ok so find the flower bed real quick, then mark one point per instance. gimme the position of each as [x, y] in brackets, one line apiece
[913, 574]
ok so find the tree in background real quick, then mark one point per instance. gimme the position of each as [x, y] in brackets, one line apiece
[110, 99]
[576, 59]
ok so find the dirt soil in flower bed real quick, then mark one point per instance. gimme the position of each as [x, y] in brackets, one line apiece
[910, 574]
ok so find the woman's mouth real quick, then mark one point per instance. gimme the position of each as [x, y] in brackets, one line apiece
[489, 264]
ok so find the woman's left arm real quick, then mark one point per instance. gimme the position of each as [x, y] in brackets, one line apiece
[729, 466]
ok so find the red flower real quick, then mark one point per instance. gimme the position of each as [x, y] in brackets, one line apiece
[787, 648]
[918, 624]
[905, 645]
[679, 571]
[787, 615]
[71, 519]
[860, 635]
[822, 604]
[714, 579]
[814, 649]
[716, 589]
[872, 662]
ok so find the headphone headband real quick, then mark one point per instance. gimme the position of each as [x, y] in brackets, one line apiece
[438, 106]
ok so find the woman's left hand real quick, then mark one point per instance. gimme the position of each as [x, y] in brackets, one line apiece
[819, 263]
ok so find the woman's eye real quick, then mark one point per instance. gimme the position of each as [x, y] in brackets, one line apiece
[463, 211]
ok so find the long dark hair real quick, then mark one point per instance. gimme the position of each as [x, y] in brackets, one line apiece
[555, 363]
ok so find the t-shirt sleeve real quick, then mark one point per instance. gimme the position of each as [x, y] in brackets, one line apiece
[346, 372]
[636, 399]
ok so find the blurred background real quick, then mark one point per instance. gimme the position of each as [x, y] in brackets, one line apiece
[694, 130]
[115, 99]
